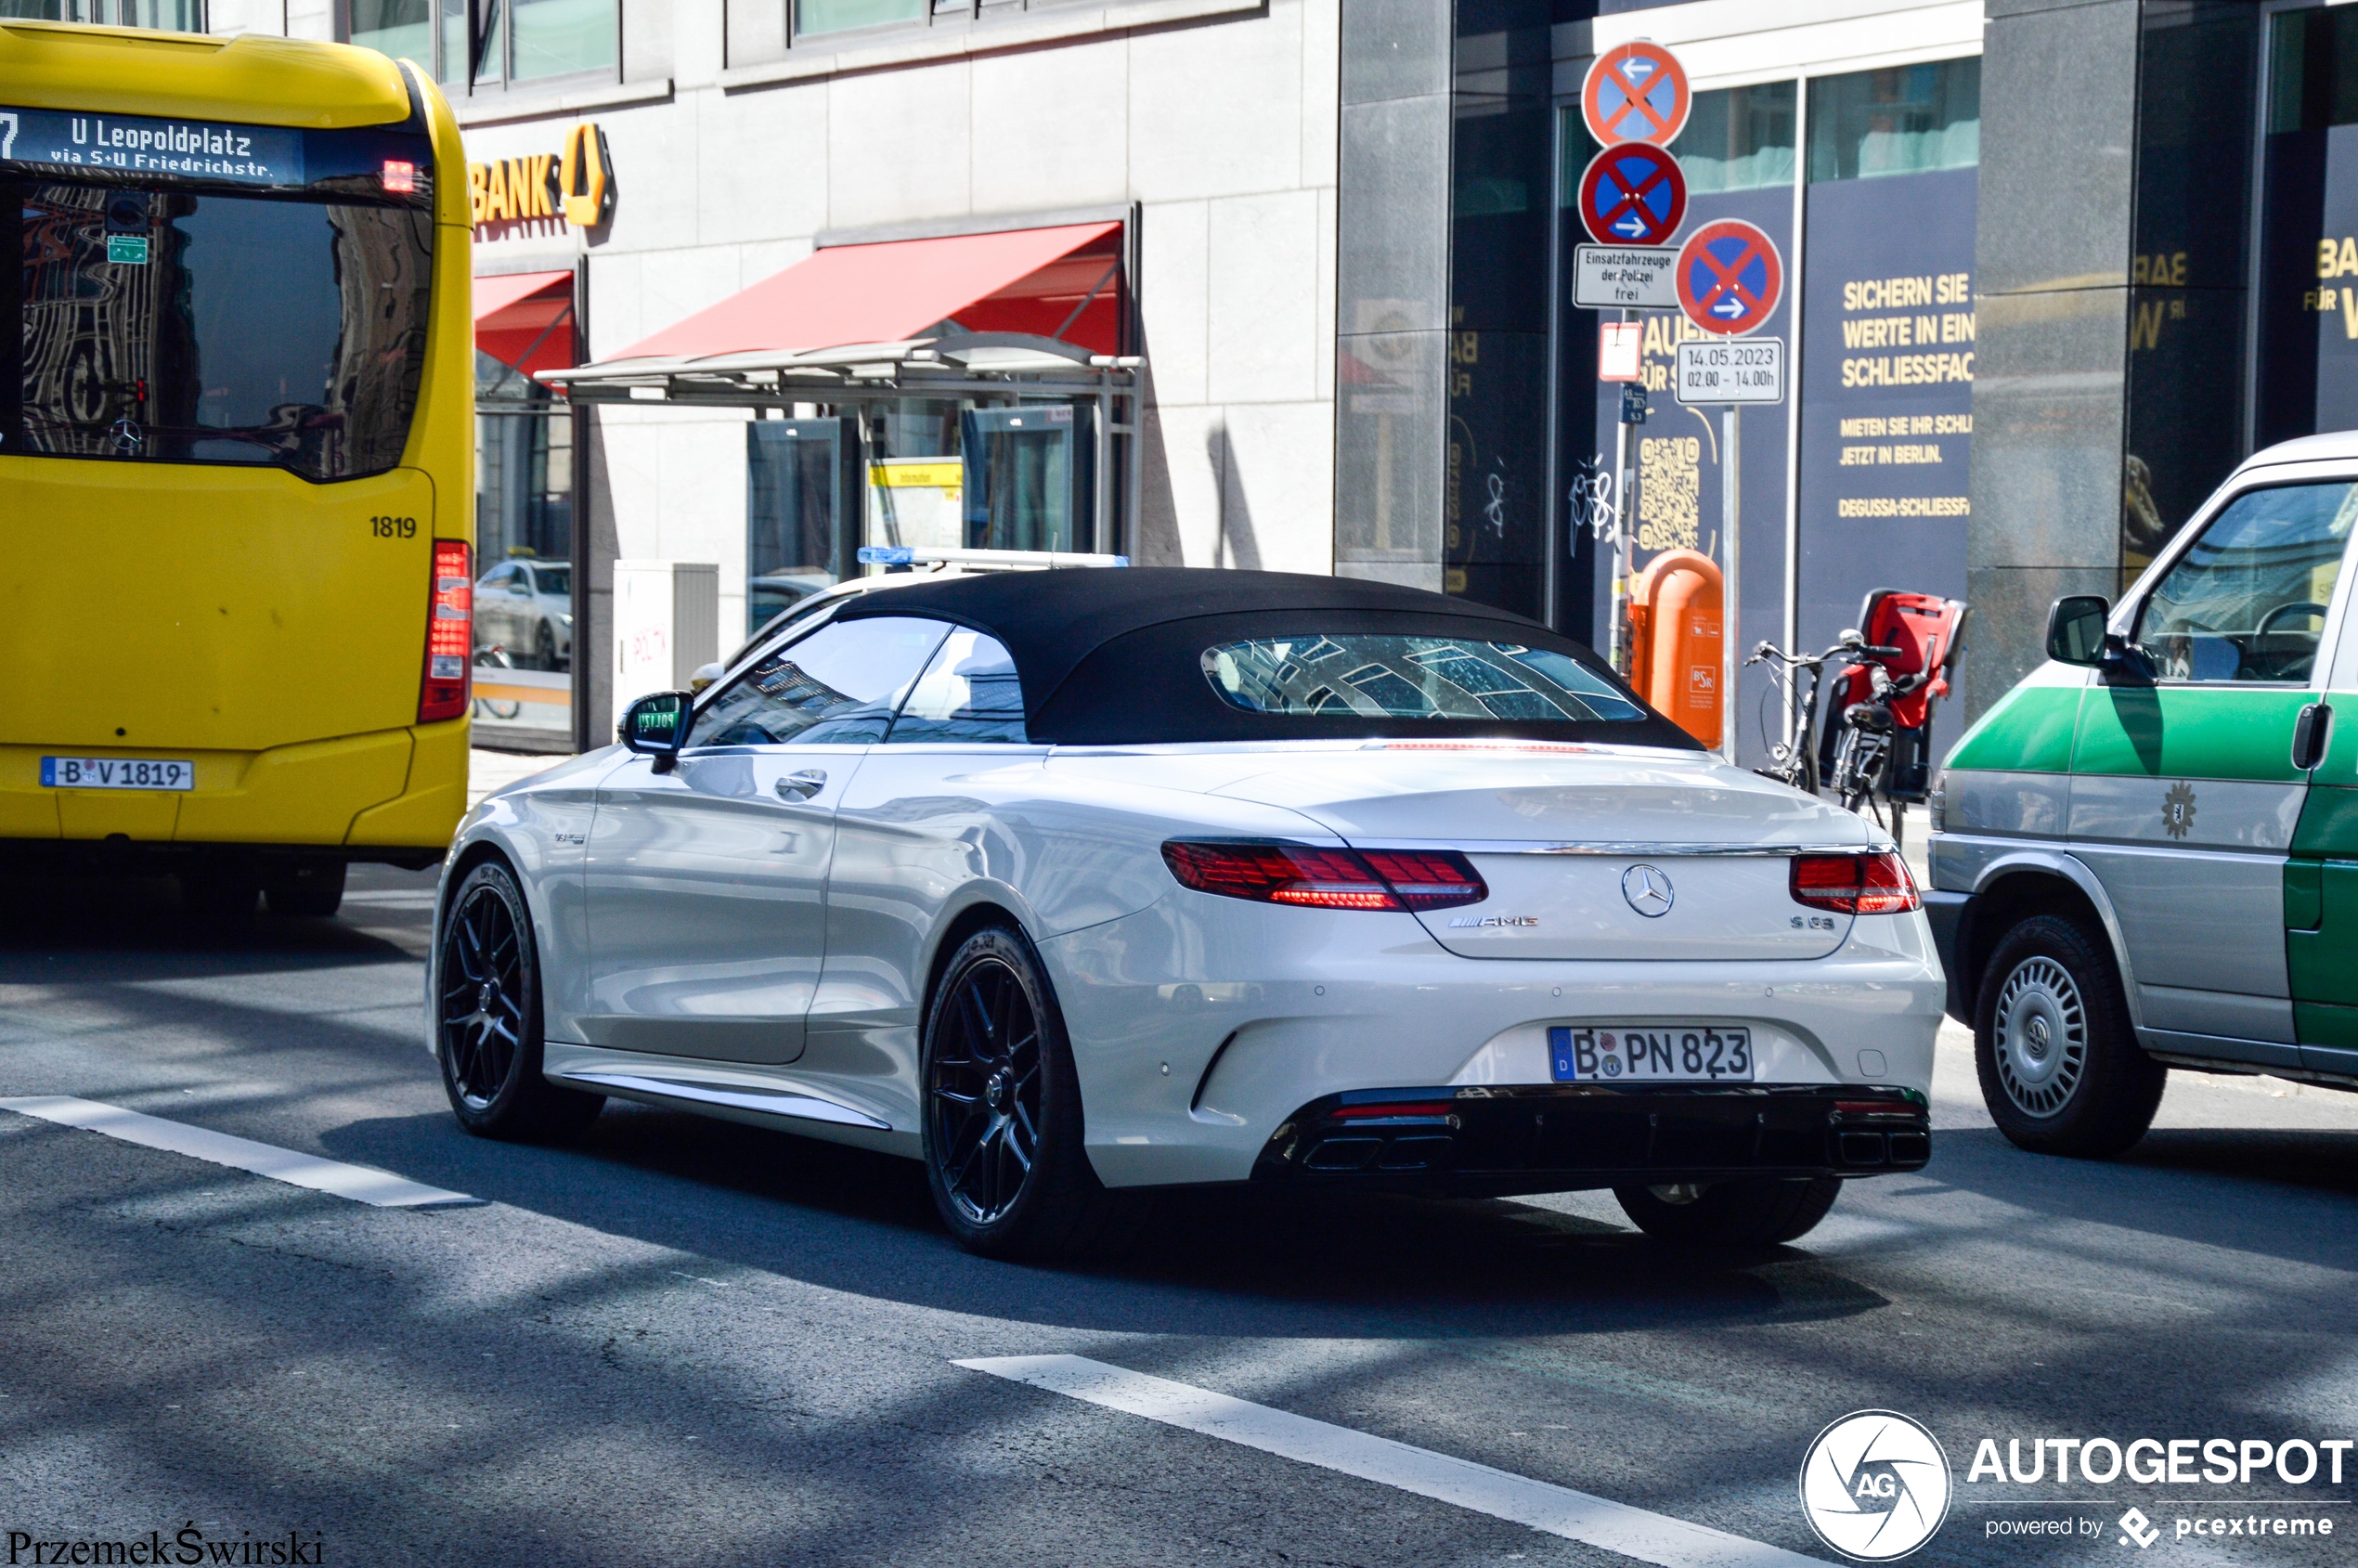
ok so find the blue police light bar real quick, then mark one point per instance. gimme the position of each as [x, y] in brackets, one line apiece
[887, 555]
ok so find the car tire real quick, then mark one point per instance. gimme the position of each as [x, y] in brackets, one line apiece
[544, 648]
[2060, 1067]
[313, 889]
[1002, 1118]
[1752, 1212]
[487, 1017]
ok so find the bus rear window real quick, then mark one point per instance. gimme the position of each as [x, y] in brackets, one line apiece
[193, 328]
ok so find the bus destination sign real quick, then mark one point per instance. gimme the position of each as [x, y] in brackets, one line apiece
[132, 144]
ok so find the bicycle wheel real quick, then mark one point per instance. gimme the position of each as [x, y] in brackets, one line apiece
[1858, 767]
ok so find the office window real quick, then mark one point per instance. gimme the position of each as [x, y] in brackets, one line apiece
[2312, 70]
[1739, 138]
[524, 43]
[168, 16]
[1905, 120]
[837, 16]
[403, 28]
[562, 37]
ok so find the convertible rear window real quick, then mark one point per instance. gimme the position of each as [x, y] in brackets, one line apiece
[1378, 676]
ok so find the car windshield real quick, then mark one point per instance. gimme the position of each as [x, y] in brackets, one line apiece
[1382, 676]
[173, 327]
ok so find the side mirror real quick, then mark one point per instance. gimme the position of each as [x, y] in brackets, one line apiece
[2076, 629]
[656, 726]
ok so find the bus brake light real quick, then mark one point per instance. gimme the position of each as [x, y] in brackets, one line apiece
[449, 635]
[400, 176]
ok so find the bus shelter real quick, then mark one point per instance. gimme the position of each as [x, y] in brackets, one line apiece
[964, 393]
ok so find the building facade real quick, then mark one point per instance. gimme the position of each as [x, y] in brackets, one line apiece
[2052, 266]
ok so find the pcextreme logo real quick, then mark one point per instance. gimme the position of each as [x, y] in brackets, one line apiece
[1874, 1486]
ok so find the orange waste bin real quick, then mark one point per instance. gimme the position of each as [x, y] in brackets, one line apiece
[1674, 632]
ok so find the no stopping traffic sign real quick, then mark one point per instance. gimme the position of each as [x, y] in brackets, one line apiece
[1634, 194]
[1729, 278]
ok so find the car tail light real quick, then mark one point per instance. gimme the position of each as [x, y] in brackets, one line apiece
[449, 635]
[1319, 878]
[1429, 878]
[1877, 884]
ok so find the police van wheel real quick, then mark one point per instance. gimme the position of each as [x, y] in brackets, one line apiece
[2060, 1067]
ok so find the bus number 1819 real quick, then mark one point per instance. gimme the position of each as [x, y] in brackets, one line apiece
[393, 527]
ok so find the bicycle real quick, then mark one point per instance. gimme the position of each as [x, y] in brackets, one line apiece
[495, 657]
[1855, 767]
[1879, 751]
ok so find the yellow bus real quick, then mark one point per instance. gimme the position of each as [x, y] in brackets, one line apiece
[236, 460]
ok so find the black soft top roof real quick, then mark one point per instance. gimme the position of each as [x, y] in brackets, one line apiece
[1113, 656]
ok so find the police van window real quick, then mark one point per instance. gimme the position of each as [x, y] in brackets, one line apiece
[2249, 600]
[839, 685]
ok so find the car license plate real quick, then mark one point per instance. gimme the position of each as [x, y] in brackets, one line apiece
[1651, 1054]
[117, 772]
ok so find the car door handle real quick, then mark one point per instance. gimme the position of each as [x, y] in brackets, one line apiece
[802, 785]
[2310, 732]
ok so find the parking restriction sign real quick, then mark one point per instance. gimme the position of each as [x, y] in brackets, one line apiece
[1636, 93]
[1729, 278]
[1634, 194]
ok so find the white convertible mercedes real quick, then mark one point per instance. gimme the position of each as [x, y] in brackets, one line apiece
[1070, 882]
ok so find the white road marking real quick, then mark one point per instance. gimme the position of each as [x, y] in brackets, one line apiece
[1558, 1510]
[379, 1188]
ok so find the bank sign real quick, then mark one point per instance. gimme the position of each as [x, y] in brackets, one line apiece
[575, 184]
[134, 144]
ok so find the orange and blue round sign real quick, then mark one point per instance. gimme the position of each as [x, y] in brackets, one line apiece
[1729, 278]
[1636, 92]
[1634, 194]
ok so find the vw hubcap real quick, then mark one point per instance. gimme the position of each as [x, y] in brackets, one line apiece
[2042, 1045]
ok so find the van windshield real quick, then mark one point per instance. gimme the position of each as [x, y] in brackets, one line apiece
[174, 326]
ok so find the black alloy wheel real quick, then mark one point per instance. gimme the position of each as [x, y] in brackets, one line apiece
[544, 648]
[1752, 1212]
[985, 1091]
[1003, 1120]
[487, 1017]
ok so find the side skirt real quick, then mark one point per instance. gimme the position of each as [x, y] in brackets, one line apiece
[780, 1101]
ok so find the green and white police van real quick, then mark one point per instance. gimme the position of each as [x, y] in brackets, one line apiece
[2145, 856]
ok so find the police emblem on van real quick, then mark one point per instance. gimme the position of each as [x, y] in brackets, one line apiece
[2178, 809]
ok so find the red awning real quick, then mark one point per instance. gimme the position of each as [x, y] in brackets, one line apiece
[1024, 280]
[520, 313]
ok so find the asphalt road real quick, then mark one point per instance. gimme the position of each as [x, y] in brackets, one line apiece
[686, 1342]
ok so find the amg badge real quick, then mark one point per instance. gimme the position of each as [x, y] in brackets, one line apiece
[1460, 922]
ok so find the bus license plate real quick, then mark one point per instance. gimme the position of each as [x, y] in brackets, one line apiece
[116, 772]
[1650, 1053]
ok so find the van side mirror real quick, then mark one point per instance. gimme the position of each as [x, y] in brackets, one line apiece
[656, 726]
[2076, 629]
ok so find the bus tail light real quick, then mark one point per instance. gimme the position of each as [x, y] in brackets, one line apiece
[449, 635]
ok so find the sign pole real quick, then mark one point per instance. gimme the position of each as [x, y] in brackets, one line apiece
[1624, 521]
[1730, 658]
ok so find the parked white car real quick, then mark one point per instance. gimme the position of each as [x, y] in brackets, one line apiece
[1072, 881]
[527, 608]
